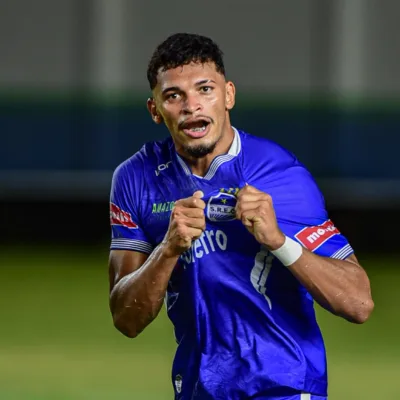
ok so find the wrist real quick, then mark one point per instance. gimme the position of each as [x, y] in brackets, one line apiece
[168, 252]
[289, 252]
[276, 243]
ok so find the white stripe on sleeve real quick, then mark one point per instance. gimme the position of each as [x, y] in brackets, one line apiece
[343, 253]
[130, 244]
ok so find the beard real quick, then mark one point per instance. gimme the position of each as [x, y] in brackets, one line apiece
[201, 150]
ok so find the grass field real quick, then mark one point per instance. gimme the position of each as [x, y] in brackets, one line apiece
[58, 342]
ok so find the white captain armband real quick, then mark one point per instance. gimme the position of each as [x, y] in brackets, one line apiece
[289, 252]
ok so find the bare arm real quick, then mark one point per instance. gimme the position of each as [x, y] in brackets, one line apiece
[340, 286]
[138, 282]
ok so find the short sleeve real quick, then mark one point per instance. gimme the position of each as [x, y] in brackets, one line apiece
[126, 230]
[307, 220]
[325, 240]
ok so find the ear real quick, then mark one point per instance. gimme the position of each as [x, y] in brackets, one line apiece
[230, 95]
[151, 106]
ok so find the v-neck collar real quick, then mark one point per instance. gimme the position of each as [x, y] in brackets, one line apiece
[233, 152]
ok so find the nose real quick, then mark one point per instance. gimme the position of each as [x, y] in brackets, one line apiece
[191, 104]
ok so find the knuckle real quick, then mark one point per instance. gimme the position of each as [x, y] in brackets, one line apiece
[250, 189]
[181, 231]
[198, 203]
[265, 201]
[197, 213]
[179, 222]
[240, 193]
[176, 211]
[268, 197]
[262, 212]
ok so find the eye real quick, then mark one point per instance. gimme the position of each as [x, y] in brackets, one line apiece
[172, 96]
[206, 89]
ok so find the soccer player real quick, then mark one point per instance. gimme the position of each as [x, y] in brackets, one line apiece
[232, 231]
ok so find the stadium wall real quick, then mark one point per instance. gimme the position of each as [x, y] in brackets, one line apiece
[81, 139]
[321, 78]
[56, 166]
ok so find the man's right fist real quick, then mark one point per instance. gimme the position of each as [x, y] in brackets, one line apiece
[187, 223]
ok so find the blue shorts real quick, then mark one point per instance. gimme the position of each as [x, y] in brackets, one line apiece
[287, 394]
[301, 396]
[278, 393]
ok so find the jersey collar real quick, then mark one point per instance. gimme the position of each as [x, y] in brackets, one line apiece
[233, 152]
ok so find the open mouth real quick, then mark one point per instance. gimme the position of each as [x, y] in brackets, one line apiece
[196, 128]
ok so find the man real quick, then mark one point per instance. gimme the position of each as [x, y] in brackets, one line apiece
[232, 230]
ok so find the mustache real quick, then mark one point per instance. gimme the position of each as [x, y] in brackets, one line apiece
[183, 124]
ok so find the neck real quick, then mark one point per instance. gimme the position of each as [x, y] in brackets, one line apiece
[200, 166]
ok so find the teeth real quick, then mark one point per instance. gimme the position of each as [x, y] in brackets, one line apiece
[203, 128]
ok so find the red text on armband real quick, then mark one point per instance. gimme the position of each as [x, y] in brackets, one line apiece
[121, 217]
[314, 236]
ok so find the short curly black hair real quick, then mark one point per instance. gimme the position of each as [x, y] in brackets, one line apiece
[182, 49]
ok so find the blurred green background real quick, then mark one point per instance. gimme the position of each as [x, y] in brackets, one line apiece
[58, 340]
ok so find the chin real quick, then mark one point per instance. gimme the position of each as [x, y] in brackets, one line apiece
[199, 150]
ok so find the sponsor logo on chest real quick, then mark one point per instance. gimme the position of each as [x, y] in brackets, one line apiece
[162, 207]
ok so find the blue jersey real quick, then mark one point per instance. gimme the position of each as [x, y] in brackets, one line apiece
[244, 325]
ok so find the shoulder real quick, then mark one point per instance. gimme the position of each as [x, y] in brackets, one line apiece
[143, 161]
[266, 154]
[268, 165]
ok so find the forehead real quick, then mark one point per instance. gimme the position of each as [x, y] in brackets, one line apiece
[188, 74]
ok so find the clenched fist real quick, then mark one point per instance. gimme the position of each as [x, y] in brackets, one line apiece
[256, 211]
[187, 223]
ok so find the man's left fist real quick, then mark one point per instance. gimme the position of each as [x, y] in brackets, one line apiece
[256, 211]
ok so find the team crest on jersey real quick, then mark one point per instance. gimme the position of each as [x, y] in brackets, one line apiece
[221, 207]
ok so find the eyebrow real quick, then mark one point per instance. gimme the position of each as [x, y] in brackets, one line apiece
[171, 88]
[204, 81]
[177, 88]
